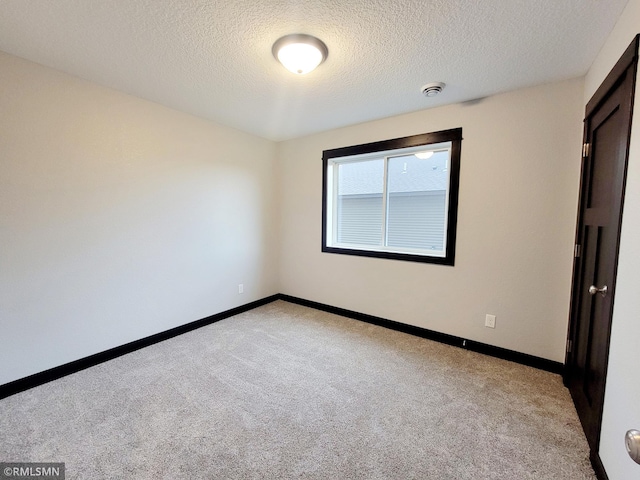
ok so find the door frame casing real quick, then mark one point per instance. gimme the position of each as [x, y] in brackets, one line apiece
[626, 65]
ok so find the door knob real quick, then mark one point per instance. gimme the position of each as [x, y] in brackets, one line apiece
[632, 442]
[602, 291]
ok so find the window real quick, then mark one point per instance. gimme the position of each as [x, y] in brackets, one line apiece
[393, 199]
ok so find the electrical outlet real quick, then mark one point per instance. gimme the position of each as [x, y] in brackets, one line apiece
[241, 288]
[490, 321]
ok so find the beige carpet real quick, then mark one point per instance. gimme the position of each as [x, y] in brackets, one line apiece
[285, 391]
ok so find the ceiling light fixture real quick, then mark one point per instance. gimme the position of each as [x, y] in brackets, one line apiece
[300, 53]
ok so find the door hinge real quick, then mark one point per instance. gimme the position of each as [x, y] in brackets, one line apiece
[585, 149]
[576, 251]
[569, 345]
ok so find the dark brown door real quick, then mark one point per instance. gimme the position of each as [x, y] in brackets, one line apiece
[605, 153]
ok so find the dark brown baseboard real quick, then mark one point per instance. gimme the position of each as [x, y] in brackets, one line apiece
[503, 353]
[46, 376]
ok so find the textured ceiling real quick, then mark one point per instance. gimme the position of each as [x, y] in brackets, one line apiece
[213, 58]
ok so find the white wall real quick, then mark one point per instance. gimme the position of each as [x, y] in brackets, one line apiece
[120, 218]
[622, 397]
[518, 200]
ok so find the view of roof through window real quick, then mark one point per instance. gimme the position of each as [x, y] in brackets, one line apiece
[407, 173]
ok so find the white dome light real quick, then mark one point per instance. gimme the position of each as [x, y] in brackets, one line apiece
[300, 53]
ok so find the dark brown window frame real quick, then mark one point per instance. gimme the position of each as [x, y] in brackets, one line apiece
[455, 137]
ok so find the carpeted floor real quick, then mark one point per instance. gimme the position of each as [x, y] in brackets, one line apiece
[285, 391]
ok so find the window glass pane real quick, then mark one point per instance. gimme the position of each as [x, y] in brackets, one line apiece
[359, 205]
[416, 205]
[395, 199]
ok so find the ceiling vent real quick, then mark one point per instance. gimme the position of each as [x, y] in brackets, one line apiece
[432, 89]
